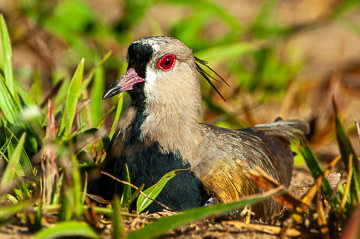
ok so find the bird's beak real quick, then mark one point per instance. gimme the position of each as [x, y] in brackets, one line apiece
[125, 83]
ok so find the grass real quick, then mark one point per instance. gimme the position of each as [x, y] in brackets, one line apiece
[49, 144]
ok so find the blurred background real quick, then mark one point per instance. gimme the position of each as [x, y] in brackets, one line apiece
[281, 58]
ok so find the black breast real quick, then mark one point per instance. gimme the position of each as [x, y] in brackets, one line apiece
[147, 164]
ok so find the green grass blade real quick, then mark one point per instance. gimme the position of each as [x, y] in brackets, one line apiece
[34, 219]
[343, 7]
[347, 151]
[317, 171]
[7, 211]
[57, 194]
[133, 196]
[153, 191]
[117, 227]
[8, 104]
[168, 223]
[6, 51]
[77, 191]
[66, 210]
[25, 166]
[13, 163]
[125, 196]
[345, 146]
[71, 100]
[67, 229]
[96, 97]
[117, 115]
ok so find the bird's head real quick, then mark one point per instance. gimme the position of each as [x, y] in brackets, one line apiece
[162, 75]
[159, 69]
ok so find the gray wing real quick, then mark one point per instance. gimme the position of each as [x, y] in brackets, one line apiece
[229, 152]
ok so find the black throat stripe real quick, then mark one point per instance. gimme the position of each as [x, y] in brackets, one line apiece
[139, 55]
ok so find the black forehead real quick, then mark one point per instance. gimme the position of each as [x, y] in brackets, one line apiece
[139, 55]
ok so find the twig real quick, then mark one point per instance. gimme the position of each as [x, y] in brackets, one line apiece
[275, 230]
[131, 185]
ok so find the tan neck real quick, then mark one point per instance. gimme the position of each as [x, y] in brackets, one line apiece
[172, 126]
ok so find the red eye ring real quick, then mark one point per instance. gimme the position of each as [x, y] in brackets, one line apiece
[167, 62]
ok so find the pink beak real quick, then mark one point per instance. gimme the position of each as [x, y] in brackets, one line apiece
[125, 83]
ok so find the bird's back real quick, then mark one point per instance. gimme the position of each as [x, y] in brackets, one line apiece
[227, 154]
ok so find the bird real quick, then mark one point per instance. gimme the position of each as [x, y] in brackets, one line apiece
[162, 131]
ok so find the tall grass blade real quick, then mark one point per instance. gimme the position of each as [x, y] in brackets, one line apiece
[126, 194]
[8, 104]
[343, 7]
[6, 51]
[171, 222]
[34, 218]
[77, 191]
[57, 192]
[25, 166]
[71, 100]
[7, 211]
[117, 227]
[67, 229]
[66, 209]
[143, 202]
[133, 196]
[10, 171]
[119, 109]
[96, 97]
[347, 151]
[316, 171]
[345, 146]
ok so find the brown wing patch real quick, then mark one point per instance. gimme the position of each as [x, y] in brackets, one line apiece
[225, 181]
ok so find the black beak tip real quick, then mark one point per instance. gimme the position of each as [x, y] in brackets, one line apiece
[111, 92]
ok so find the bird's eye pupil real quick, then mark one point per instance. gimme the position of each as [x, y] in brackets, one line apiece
[167, 62]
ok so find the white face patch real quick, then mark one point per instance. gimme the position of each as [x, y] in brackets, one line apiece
[153, 81]
[150, 75]
[150, 80]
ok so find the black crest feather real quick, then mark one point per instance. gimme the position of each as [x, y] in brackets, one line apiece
[207, 76]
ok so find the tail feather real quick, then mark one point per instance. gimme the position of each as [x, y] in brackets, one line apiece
[278, 136]
[285, 129]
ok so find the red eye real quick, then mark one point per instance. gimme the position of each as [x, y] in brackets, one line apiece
[167, 62]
